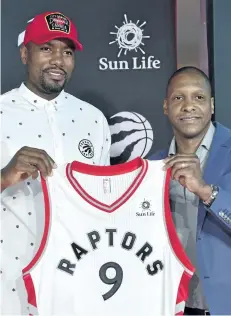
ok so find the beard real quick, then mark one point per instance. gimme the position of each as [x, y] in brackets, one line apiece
[52, 86]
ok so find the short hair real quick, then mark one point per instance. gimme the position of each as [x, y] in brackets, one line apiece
[189, 69]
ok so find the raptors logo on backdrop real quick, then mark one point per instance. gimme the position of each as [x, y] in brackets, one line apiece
[131, 135]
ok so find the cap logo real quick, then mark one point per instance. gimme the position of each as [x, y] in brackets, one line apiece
[58, 22]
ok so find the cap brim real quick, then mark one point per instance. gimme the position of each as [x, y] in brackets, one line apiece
[77, 44]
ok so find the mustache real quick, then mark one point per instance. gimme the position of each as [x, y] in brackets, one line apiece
[56, 68]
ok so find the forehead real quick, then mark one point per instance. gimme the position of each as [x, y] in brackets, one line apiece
[190, 81]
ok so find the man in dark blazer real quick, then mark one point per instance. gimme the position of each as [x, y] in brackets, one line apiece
[200, 189]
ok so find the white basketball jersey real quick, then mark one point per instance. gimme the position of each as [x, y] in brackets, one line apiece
[109, 246]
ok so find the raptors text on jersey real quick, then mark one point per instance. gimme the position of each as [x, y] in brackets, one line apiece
[109, 246]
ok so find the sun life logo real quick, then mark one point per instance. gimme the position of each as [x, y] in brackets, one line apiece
[129, 36]
[146, 207]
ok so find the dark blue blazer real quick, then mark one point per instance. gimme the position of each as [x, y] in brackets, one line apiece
[214, 225]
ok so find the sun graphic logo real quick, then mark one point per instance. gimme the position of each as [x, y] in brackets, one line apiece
[129, 36]
[145, 205]
[146, 208]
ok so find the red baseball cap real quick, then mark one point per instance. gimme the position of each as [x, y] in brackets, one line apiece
[50, 25]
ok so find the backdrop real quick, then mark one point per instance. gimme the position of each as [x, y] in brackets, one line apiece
[128, 56]
[219, 52]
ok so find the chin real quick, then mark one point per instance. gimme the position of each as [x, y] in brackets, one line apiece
[54, 88]
[190, 132]
[190, 135]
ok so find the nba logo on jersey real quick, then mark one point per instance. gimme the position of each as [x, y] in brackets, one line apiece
[109, 246]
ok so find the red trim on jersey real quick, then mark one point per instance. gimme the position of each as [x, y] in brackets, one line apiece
[31, 296]
[107, 171]
[173, 237]
[182, 293]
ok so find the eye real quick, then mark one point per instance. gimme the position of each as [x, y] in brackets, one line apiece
[178, 97]
[69, 52]
[200, 97]
[45, 49]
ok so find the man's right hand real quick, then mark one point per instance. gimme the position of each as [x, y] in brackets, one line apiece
[26, 162]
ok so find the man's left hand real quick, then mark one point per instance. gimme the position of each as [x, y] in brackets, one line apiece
[186, 170]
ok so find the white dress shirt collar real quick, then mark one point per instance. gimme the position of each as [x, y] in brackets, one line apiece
[37, 101]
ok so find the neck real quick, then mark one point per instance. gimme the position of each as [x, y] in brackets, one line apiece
[40, 93]
[188, 145]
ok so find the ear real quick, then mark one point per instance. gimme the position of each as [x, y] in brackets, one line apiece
[165, 107]
[24, 54]
[212, 105]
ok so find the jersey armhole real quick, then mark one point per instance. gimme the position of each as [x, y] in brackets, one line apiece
[43, 242]
[174, 240]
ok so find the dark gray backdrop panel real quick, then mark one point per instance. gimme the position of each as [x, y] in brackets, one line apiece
[112, 91]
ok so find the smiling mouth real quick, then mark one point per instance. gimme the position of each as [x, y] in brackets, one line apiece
[189, 118]
[56, 75]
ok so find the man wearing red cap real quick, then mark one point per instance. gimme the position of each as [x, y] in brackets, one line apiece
[42, 126]
[49, 26]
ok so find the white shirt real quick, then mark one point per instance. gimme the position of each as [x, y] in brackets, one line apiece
[67, 129]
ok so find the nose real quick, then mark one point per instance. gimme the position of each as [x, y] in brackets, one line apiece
[57, 58]
[188, 106]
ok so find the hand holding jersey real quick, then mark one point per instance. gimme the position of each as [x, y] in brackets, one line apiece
[25, 163]
[186, 169]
